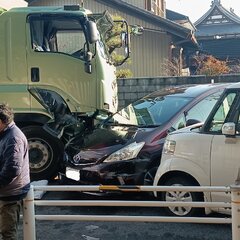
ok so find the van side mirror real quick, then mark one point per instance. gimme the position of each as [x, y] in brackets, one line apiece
[229, 129]
[92, 32]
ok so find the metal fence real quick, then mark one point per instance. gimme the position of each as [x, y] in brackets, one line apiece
[29, 203]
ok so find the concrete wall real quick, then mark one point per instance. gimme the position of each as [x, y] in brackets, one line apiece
[132, 89]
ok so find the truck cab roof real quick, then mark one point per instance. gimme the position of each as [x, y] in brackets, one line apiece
[60, 9]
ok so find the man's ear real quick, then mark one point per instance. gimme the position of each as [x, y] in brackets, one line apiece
[2, 125]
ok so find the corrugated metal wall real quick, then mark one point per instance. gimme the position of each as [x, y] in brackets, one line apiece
[149, 51]
[138, 3]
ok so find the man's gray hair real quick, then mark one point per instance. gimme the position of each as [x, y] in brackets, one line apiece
[6, 113]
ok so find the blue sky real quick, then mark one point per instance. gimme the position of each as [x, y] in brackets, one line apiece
[194, 9]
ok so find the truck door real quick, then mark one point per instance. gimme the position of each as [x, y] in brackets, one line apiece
[56, 59]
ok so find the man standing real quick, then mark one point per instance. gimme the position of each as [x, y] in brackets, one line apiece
[14, 173]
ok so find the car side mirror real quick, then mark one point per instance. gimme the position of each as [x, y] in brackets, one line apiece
[191, 122]
[171, 129]
[229, 129]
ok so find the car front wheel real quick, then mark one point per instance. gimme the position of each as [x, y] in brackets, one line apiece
[149, 176]
[181, 196]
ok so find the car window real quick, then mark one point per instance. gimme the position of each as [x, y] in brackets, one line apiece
[180, 123]
[222, 112]
[202, 109]
[150, 111]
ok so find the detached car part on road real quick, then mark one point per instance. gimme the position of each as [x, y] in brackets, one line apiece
[126, 148]
[203, 155]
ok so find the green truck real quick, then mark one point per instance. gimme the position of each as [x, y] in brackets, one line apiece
[53, 61]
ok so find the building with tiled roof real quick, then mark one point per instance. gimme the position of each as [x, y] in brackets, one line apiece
[218, 33]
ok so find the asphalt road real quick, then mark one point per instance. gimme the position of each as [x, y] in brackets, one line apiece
[66, 230]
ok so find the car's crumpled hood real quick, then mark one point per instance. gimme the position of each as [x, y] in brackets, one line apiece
[104, 141]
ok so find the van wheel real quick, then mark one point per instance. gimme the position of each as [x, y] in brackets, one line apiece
[45, 153]
[181, 196]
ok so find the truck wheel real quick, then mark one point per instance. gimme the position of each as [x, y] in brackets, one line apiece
[45, 153]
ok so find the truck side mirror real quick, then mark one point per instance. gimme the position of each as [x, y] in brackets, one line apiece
[125, 44]
[88, 64]
[229, 129]
[124, 39]
[92, 32]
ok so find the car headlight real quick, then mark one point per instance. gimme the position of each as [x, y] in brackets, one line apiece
[169, 146]
[129, 152]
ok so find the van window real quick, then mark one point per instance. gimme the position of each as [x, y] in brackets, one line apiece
[221, 113]
[202, 109]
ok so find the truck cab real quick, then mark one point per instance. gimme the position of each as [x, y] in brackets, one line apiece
[49, 55]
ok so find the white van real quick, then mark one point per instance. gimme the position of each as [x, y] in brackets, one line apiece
[203, 155]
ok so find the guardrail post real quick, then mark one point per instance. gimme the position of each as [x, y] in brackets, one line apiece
[29, 232]
[235, 197]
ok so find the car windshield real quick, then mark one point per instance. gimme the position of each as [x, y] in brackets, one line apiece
[149, 112]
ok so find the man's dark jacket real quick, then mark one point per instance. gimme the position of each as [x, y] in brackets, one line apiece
[14, 164]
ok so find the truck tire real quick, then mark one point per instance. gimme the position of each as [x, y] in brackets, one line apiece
[45, 153]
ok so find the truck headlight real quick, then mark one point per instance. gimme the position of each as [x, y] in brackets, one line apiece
[169, 146]
[129, 152]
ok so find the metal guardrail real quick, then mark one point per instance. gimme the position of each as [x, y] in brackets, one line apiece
[29, 203]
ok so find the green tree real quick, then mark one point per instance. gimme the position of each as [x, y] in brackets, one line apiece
[116, 40]
[2, 10]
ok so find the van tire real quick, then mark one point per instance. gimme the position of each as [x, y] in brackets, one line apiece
[179, 196]
[45, 153]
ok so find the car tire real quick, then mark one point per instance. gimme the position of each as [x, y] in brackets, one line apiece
[149, 176]
[173, 196]
[45, 153]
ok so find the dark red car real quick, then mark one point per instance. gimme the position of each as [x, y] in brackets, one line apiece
[125, 149]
